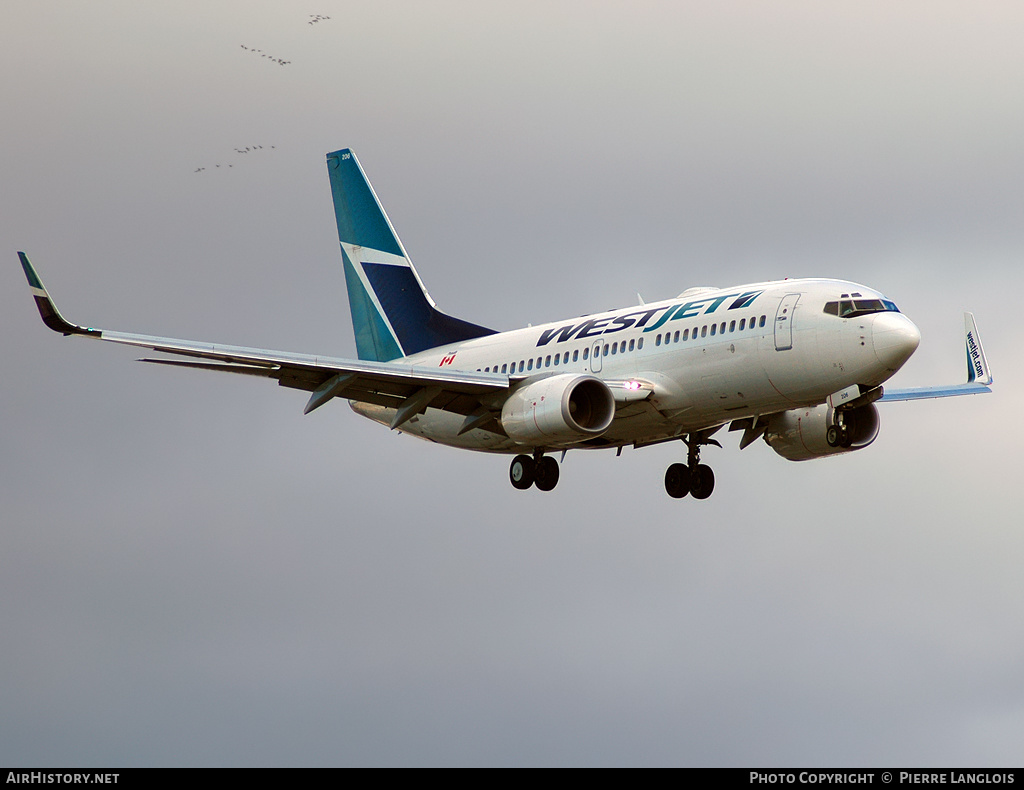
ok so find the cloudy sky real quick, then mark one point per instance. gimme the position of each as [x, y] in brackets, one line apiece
[194, 573]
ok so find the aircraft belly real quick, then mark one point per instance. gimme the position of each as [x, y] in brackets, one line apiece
[642, 424]
[438, 426]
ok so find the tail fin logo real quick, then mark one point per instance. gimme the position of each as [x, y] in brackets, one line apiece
[392, 313]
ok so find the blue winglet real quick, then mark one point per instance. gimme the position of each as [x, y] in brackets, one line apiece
[47, 309]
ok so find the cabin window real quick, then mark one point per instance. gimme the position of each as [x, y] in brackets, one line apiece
[586, 352]
[575, 355]
[713, 327]
[704, 331]
[732, 327]
[743, 322]
[686, 335]
[547, 361]
[558, 358]
[631, 344]
[529, 364]
[640, 343]
[615, 347]
[657, 340]
[762, 321]
[605, 352]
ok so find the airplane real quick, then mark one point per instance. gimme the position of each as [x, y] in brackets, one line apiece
[800, 363]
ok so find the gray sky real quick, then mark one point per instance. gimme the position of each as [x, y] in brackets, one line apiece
[194, 573]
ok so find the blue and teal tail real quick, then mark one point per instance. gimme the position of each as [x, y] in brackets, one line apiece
[392, 314]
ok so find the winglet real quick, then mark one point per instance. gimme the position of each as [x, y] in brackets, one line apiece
[978, 371]
[47, 309]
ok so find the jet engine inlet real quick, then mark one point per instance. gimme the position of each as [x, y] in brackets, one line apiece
[563, 409]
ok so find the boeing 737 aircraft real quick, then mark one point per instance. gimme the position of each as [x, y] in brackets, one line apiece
[800, 363]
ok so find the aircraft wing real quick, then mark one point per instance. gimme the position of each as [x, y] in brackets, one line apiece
[979, 375]
[409, 389]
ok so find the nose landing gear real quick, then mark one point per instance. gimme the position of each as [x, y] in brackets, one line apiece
[839, 434]
[692, 478]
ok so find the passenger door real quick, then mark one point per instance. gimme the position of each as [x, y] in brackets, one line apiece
[784, 322]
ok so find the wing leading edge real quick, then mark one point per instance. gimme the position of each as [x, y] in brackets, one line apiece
[407, 388]
[979, 375]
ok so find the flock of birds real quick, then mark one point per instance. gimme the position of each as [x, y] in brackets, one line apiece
[313, 20]
[249, 149]
[263, 54]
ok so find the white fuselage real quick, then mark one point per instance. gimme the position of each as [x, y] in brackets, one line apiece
[705, 358]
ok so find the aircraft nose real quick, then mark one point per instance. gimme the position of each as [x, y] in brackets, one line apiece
[895, 338]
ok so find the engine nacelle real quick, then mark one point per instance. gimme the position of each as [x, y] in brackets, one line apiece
[559, 409]
[800, 434]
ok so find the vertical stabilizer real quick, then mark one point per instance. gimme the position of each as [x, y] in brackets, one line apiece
[392, 313]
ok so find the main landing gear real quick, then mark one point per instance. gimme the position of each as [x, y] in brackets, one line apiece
[540, 470]
[692, 477]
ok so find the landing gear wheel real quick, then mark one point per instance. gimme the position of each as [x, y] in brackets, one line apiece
[546, 474]
[832, 436]
[522, 472]
[677, 480]
[702, 481]
[845, 436]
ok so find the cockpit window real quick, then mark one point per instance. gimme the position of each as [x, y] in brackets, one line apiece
[851, 308]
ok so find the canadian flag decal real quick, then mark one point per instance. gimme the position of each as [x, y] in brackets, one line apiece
[447, 360]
